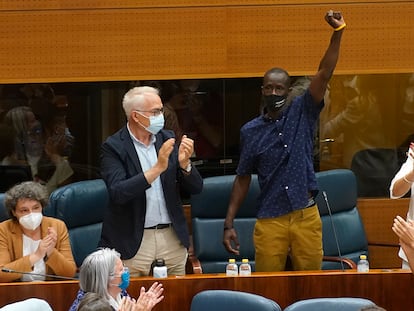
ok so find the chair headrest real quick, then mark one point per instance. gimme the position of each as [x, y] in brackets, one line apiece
[341, 190]
[325, 304]
[213, 201]
[80, 203]
[232, 300]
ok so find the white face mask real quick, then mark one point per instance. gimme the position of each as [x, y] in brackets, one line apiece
[31, 221]
[156, 123]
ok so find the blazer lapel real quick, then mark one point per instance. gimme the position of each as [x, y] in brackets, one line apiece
[158, 143]
[17, 238]
[130, 149]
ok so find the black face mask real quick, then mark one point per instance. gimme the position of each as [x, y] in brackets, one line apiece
[274, 102]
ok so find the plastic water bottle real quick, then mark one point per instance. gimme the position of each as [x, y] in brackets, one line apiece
[160, 269]
[245, 269]
[363, 264]
[231, 268]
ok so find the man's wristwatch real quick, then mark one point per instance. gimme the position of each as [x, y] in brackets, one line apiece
[187, 169]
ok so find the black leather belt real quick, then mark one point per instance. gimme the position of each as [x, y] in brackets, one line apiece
[160, 226]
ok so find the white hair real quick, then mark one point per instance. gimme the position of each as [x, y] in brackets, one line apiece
[135, 98]
[97, 270]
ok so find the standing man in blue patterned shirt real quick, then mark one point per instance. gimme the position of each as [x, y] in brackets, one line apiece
[278, 146]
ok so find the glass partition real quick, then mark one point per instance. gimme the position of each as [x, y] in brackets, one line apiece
[367, 126]
[57, 128]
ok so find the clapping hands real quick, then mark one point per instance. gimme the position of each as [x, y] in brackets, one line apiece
[146, 300]
[46, 246]
[185, 151]
[404, 230]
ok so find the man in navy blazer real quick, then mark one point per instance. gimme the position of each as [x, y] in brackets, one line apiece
[144, 170]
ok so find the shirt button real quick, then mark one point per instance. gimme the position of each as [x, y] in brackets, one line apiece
[286, 187]
[280, 134]
[285, 146]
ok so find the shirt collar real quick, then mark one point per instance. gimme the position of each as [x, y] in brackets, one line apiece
[115, 303]
[153, 138]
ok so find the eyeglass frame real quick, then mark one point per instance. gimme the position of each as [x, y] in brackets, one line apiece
[154, 112]
[114, 275]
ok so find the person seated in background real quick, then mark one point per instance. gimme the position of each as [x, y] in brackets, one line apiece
[404, 229]
[44, 152]
[102, 272]
[192, 112]
[7, 151]
[31, 242]
[29, 136]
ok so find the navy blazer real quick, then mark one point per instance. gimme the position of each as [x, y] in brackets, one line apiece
[123, 224]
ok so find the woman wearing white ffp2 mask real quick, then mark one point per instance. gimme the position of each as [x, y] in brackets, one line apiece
[31, 221]
[33, 243]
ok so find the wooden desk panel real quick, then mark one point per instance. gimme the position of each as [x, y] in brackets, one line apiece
[59, 294]
[389, 289]
[378, 215]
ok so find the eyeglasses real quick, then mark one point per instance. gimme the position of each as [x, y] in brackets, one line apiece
[124, 269]
[34, 132]
[154, 112]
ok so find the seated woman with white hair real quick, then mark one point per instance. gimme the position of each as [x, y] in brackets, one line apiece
[102, 272]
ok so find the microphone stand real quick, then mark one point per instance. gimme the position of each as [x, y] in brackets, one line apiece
[333, 229]
[6, 270]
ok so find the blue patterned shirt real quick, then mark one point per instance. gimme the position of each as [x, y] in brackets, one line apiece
[280, 152]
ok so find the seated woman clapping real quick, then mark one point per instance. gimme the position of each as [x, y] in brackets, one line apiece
[30, 242]
[103, 273]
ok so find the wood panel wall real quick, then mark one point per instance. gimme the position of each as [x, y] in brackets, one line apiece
[114, 40]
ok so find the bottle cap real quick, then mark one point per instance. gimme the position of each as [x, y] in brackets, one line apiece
[232, 260]
[245, 260]
[363, 257]
[159, 262]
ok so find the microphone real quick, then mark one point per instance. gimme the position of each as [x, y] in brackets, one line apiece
[38, 274]
[333, 229]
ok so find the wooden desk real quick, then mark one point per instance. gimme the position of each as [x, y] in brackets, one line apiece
[389, 289]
